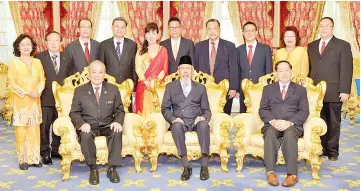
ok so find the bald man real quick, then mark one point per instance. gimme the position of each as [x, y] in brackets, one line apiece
[97, 110]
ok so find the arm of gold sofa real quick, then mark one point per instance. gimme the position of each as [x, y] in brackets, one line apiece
[132, 129]
[220, 125]
[313, 128]
[64, 128]
[156, 126]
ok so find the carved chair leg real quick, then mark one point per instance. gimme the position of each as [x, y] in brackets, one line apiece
[65, 167]
[224, 159]
[138, 159]
[239, 159]
[153, 157]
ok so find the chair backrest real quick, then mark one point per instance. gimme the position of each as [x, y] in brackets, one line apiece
[216, 92]
[3, 80]
[64, 94]
[253, 92]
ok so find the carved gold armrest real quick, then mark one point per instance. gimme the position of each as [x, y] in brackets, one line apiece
[64, 128]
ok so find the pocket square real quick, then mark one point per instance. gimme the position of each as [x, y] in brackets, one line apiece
[109, 102]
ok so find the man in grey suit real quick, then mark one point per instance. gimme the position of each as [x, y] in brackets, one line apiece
[185, 106]
[254, 59]
[284, 110]
[218, 58]
[176, 45]
[97, 110]
[83, 50]
[118, 53]
[331, 61]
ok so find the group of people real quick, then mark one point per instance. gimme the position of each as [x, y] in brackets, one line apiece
[283, 108]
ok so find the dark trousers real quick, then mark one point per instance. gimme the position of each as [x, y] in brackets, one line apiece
[114, 143]
[331, 114]
[203, 132]
[273, 139]
[228, 107]
[242, 106]
[49, 115]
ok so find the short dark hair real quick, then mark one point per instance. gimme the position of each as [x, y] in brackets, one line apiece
[120, 19]
[329, 18]
[85, 19]
[53, 32]
[249, 23]
[282, 61]
[16, 44]
[213, 20]
[174, 19]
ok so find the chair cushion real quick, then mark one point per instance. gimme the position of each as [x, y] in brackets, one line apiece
[191, 139]
[258, 141]
[101, 143]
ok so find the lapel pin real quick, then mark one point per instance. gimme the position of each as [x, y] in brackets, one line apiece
[89, 93]
[105, 92]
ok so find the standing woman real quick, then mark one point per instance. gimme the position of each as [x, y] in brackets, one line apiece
[27, 81]
[151, 62]
[293, 52]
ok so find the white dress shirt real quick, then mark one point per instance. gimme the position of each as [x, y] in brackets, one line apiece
[83, 46]
[186, 86]
[173, 41]
[254, 44]
[100, 88]
[281, 86]
[320, 44]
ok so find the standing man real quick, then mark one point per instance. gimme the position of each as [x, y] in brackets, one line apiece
[176, 45]
[218, 58]
[331, 61]
[254, 59]
[56, 68]
[83, 50]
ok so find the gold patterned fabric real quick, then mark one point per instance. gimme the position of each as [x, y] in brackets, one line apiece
[298, 59]
[28, 144]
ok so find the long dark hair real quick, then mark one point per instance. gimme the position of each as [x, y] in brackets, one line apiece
[152, 26]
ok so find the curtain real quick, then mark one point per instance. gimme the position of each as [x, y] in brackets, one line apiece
[234, 16]
[355, 13]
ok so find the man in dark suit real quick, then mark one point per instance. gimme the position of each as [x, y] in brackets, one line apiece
[331, 61]
[176, 45]
[254, 59]
[284, 110]
[56, 68]
[185, 106]
[83, 50]
[97, 110]
[218, 58]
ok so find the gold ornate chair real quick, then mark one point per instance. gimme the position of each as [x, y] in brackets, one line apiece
[69, 149]
[352, 106]
[4, 94]
[160, 139]
[249, 138]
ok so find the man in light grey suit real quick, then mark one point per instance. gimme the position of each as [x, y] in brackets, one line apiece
[284, 110]
[190, 111]
[83, 50]
[176, 45]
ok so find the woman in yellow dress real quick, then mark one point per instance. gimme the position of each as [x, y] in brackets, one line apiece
[151, 62]
[293, 52]
[27, 81]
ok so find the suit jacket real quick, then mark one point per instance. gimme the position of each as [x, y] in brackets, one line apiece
[187, 108]
[124, 67]
[335, 66]
[261, 62]
[226, 62]
[47, 97]
[186, 47]
[294, 108]
[77, 56]
[85, 109]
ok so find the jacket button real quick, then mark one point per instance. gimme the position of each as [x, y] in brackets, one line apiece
[182, 110]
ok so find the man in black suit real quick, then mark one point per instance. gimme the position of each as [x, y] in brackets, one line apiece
[185, 106]
[176, 45]
[97, 110]
[331, 61]
[218, 58]
[83, 50]
[56, 68]
[118, 53]
[254, 59]
[284, 110]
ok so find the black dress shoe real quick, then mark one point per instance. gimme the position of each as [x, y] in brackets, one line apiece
[113, 175]
[204, 175]
[23, 166]
[55, 155]
[187, 173]
[47, 160]
[38, 165]
[93, 177]
[333, 158]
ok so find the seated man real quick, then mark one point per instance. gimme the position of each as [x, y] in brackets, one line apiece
[189, 102]
[97, 110]
[284, 110]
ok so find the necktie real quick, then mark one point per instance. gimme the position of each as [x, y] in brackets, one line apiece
[87, 53]
[185, 91]
[97, 95]
[175, 50]
[283, 92]
[117, 49]
[250, 54]
[213, 57]
[55, 64]
[323, 47]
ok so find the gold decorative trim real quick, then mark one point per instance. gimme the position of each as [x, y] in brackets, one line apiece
[124, 12]
[239, 145]
[65, 153]
[15, 13]
[207, 15]
[95, 17]
[319, 13]
[225, 144]
[315, 151]
[235, 20]
[139, 144]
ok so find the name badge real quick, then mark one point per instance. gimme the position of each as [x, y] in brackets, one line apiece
[109, 102]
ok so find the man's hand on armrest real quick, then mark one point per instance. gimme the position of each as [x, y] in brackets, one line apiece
[85, 128]
[116, 127]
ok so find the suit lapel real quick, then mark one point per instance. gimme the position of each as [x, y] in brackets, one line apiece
[79, 48]
[191, 94]
[328, 47]
[290, 91]
[219, 53]
[50, 61]
[168, 45]
[91, 94]
[278, 90]
[257, 52]
[103, 94]
[62, 63]
[207, 54]
[112, 47]
[179, 91]
[181, 49]
[316, 48]
[244, 55]
[93, 51]
[125, 49]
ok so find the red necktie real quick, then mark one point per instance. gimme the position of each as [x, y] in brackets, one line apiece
[323, 47]
[283, 92]
[213, 57]
[250, 54]
[87, 54]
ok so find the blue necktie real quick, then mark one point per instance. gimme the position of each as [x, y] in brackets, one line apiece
[118, 50]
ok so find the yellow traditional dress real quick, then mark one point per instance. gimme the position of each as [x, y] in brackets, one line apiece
[27, 114]
[298, 59]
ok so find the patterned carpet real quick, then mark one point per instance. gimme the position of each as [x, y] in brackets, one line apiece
[343, 175]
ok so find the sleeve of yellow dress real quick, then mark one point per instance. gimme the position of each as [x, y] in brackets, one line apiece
[276, 59]
[304, 62]
[41, 85]
[11, 77]
[138, 67]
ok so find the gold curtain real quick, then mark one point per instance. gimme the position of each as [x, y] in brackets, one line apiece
[234, 16]
[15, 13]
[207, 16]
[319, 13]
[123, 10]
[95, 17]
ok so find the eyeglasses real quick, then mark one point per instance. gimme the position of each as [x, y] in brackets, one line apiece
[325, 26]
[174, 28]
[247, 31]
[85, 27]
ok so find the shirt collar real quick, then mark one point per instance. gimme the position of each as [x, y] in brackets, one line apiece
[82, 42]
[121, 41]
[287, 84]
[327, 40]
[216, 42]
[94, 86]
[254, 44]
[57, 54]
